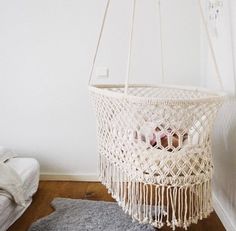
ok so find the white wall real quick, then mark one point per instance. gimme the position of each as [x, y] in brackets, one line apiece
[224, 150]
[46, 50]
[222, 44]
[224, 143]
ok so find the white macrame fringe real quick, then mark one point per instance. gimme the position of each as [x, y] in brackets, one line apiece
[175, 206]
[164, 183]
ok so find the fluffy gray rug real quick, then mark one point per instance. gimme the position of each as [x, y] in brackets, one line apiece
[84, 215]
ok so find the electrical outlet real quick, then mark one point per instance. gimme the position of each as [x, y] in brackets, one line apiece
[102, 72]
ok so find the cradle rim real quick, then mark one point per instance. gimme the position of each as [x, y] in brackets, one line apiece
[214, 95]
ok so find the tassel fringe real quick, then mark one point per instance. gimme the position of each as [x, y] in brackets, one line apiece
[157, 204]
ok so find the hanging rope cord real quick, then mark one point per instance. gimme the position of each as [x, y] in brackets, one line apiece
[218, 75]
[161, 41]
[212, 51]
[99, 40]
[130, 48]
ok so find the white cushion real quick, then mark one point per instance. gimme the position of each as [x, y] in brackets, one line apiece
[28, 170]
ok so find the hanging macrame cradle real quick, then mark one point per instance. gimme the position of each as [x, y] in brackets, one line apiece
[154, 144]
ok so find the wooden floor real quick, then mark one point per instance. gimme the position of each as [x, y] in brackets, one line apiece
[40, 206]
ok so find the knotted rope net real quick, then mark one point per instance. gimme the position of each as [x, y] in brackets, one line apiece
[154, 144]
[155, 153]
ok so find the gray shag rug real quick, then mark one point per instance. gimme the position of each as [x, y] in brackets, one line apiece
[84, 215]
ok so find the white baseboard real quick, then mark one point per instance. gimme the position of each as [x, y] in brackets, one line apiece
[64, 177]
[222, 214]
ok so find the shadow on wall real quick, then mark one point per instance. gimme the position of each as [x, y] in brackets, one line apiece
[224, 154]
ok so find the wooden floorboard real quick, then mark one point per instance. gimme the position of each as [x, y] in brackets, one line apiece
[48, 190]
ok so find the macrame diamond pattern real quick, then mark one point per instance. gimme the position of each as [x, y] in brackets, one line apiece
[155, 151]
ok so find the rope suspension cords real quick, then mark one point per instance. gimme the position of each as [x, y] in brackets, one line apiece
[161, 42]
[99, 40]
[154, 142]
[218, 76]
[130, 47]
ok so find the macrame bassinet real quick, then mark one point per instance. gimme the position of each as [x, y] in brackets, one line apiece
[155, 147]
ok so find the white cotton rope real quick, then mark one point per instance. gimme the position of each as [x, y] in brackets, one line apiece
[154, 144]
[218, 76]
[99, 40]
[212, 51]
[161, 43]
[154, 185]
[130, 48]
